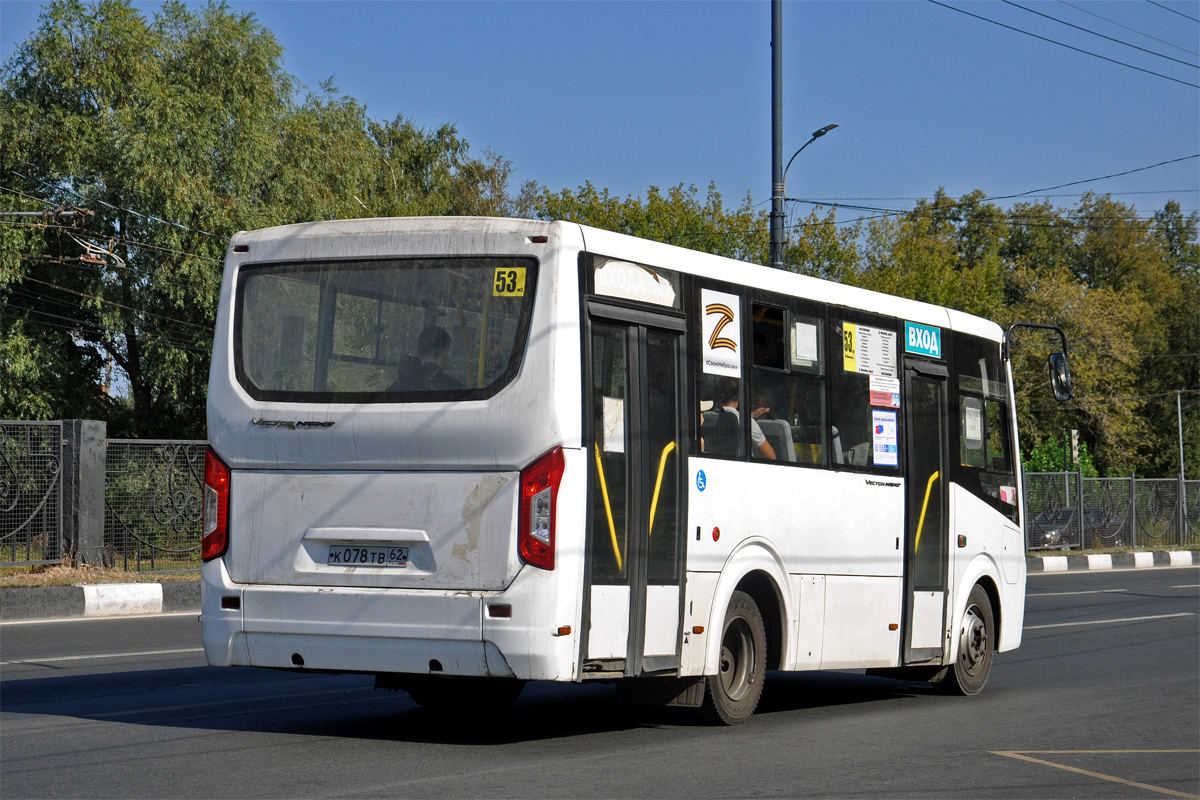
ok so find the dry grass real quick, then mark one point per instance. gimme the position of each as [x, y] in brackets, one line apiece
[68, 575]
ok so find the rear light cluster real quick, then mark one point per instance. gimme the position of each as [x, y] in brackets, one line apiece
[535, 521]
[216, 507]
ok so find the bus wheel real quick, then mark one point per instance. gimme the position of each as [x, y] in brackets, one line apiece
[976, 645]
[463, 694]
[731, 695]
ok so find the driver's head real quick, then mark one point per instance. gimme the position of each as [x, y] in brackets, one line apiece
[433, 345]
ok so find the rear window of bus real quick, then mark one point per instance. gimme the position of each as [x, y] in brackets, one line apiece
[395, 330]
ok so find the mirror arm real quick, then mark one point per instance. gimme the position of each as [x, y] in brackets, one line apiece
[1005, 354]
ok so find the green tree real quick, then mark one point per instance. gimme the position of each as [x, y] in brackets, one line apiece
[676, 217]
[173, 133]
[1052, 455]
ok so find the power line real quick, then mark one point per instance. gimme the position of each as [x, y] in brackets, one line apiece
[149, 217]
[1126, 27]
[1068, 46]
[174, 336]
[170, 336]
[28, 196]
[1092, 180]
[1073, 194]
[899, 211]
[1101, 35]
[1173, 11]
[72, 328]
[206, 329]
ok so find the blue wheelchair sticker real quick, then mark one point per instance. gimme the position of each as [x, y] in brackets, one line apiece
[701, 481]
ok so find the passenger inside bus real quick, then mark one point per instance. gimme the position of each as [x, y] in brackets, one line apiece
[727, 404]
[425, 371]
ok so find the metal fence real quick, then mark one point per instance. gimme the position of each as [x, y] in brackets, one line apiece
[1116, 512]
[31, 489]
[153, 492]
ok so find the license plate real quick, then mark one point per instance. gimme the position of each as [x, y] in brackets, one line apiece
[342, 555]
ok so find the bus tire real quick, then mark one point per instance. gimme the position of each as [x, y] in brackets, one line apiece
[731, 695]
[464, 695]
[976, 647]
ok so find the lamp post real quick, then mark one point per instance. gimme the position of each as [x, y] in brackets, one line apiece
[777, 134]
[778, 259]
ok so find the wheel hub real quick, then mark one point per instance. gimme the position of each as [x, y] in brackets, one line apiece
[973, 645]
[737, 655]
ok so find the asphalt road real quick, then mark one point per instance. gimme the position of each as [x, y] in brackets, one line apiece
[1102, 700]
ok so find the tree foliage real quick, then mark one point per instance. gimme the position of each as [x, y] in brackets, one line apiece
[173, 133]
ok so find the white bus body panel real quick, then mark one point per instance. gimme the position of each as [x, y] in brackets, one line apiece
[819, 521]
[443, 477]
[401, 629]
[994, 551]
[458, 527]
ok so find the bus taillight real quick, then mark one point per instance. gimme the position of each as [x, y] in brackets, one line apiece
[535, 524]
[216, 507]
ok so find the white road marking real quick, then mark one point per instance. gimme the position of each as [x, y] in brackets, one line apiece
[105, 655]
[1187, 586]
[1107, 621]
[1064, 594]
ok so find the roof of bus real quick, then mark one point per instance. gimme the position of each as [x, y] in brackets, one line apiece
[655, 254]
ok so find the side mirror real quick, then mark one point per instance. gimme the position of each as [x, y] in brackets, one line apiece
[1060, 377]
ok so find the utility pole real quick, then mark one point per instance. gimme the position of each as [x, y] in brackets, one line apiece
[777, 134]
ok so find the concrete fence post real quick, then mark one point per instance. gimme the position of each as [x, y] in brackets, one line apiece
[85, 443]
[1133, 531]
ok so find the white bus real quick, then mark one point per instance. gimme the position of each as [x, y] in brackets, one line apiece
[461, 454]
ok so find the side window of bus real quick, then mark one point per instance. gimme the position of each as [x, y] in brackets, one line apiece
[720, 420]
[787, 388]
[984, 438]
[863, 424]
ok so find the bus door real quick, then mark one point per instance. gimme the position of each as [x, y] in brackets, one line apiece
[925, 524]
[635, 542]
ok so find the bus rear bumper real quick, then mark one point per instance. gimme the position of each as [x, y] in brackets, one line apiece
[361, 630]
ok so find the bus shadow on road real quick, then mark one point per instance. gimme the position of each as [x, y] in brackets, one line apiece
[305, 703]
[800, 691]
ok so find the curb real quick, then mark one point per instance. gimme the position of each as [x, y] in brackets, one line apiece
[1140, 560]
[98, 600]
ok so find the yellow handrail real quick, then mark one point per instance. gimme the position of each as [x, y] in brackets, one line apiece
[662, 465]
[612, 528]
[924, 506]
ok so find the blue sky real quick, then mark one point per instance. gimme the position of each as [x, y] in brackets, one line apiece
[630, 95]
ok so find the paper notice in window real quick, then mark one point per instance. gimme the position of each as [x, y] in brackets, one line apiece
[804, 344]
[613, 409]
[884, 443]
[869, 351]
[973, 426]
[885, 392]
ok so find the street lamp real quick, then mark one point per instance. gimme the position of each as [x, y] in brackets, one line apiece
[816, 135]
[778, 259]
